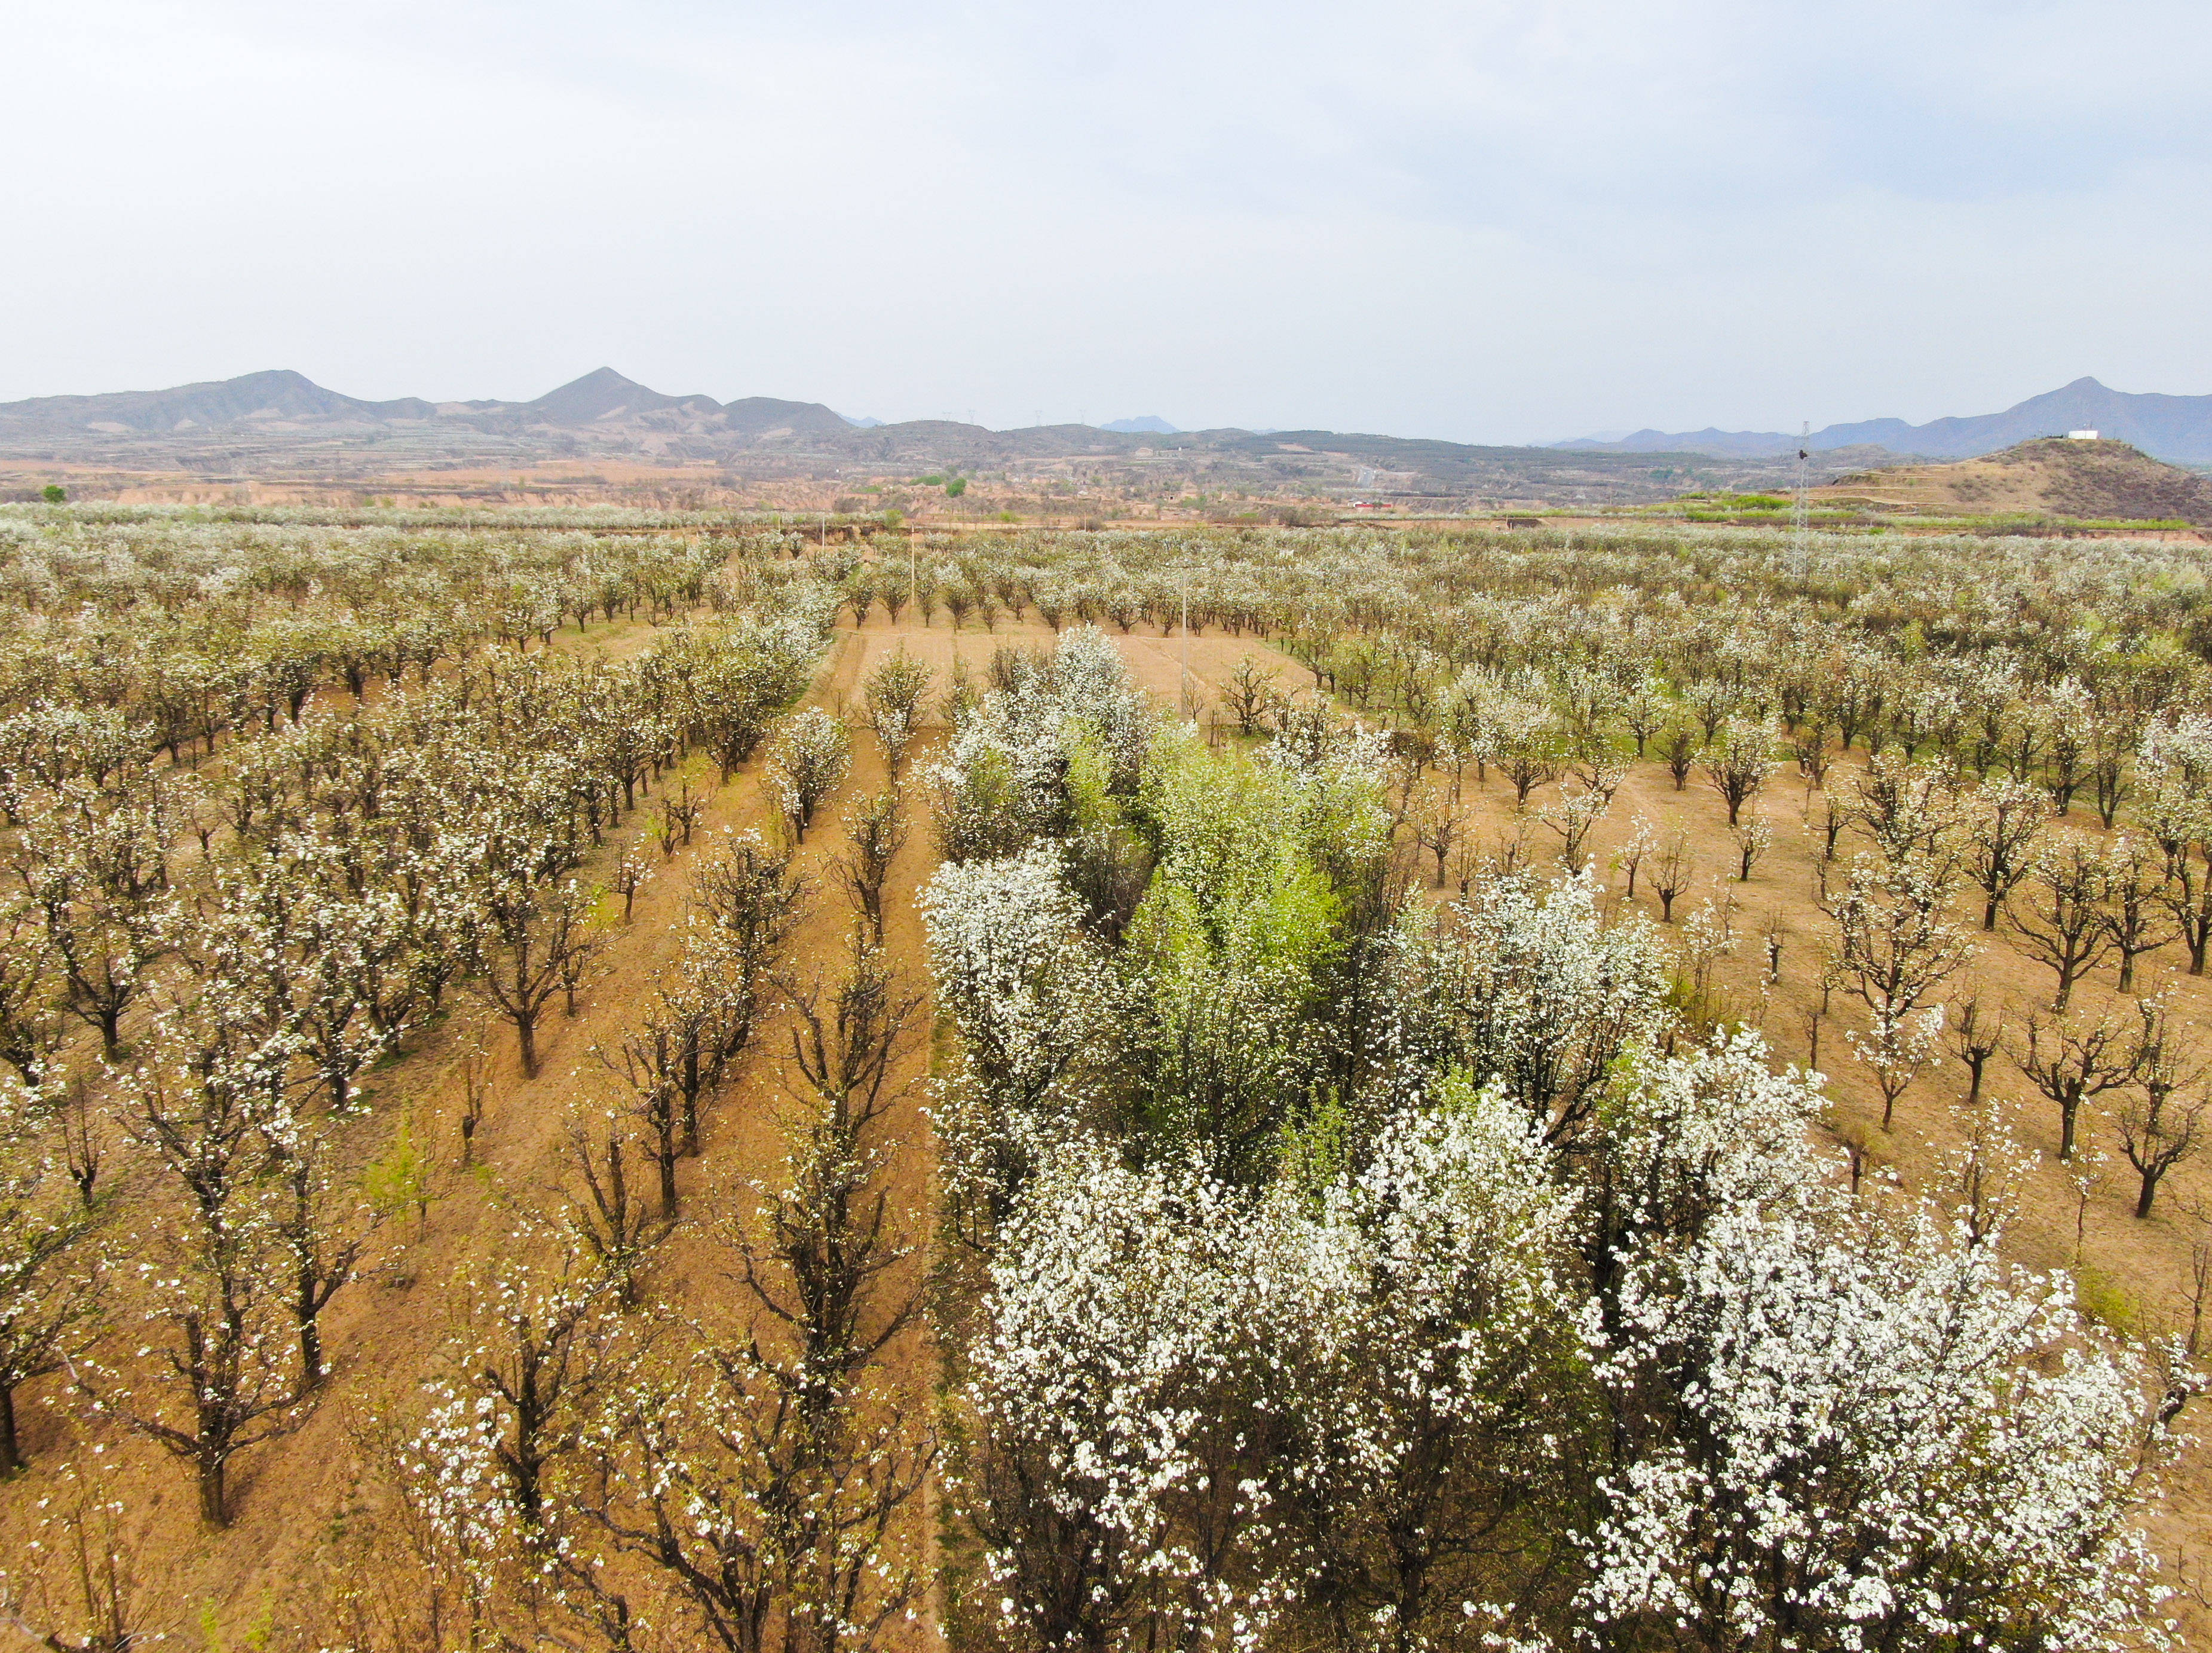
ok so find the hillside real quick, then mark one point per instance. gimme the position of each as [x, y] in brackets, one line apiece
[2100, 481]
[2176, 427]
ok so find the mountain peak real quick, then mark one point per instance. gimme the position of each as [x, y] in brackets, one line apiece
[601, 379]
[597, 394]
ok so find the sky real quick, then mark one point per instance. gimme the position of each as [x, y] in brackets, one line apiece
[1492, 220]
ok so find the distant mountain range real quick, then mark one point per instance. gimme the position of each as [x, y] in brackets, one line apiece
[2172, 428]
[283, 421]
[602, 398]
[281, 399]
[266, 414]
[282, 425]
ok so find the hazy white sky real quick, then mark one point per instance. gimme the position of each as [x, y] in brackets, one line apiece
[1490, 221]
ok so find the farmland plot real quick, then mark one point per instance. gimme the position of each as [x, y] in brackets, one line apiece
[654, 1090]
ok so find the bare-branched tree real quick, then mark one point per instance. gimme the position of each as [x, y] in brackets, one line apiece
[2165, 1125]
[876, 831]
[2003, 819]
[2072, 1061]
[1738, 760]
[2059, 912]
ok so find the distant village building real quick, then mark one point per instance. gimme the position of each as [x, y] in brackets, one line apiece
[2081, 435]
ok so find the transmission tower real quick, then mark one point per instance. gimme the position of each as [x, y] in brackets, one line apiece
[1189, 700]
[1799, 518]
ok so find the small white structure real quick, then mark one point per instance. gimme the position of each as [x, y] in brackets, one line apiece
[2081, 435]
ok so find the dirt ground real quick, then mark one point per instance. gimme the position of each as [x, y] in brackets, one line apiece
[270, 1572]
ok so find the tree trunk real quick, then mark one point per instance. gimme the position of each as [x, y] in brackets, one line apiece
[214, 1509]
[310, 1331]
[11, 1454]
[2067, 1110]
[2149, 1193]
[526, 1034]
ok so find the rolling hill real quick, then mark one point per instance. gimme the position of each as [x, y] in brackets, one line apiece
[2099, 481]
